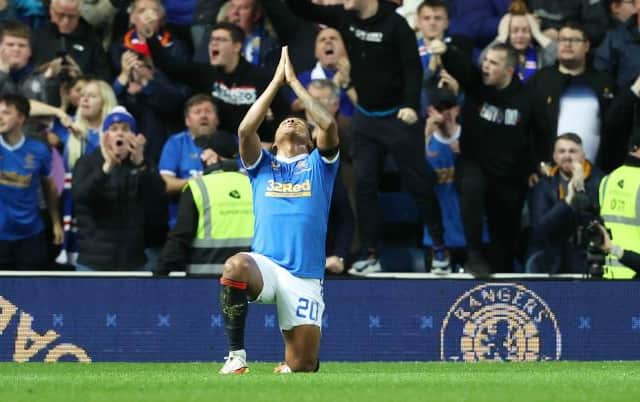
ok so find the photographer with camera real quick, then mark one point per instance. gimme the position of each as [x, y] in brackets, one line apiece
[112, 188]
[561, 204]
[69, 37]
[627, 258]
[620, 201]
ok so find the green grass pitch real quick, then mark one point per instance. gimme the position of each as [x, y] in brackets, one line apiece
[336, 382]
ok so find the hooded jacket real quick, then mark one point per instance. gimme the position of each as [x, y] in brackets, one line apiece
[385, 67]
[496, 122]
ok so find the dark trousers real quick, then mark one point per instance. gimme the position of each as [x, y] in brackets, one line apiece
[25, 254]
[501, 201]
[371, 139]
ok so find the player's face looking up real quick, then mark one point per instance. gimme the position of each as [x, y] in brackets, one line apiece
[293, 133]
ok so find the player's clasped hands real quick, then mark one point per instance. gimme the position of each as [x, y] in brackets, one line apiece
[285, 74]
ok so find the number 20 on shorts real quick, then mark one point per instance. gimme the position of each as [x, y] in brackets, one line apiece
[307, 309]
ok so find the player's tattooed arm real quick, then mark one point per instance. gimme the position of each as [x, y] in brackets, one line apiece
[328, 133]
[320, 115]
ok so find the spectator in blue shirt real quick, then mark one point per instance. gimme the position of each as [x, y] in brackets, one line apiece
[24, 164]
[181, 158]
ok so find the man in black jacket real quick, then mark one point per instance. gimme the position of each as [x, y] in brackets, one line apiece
[559, 205]
[494, 163]
[572, 97]
[229, 78]
[382, 50]
[112, 188]
[69, 35]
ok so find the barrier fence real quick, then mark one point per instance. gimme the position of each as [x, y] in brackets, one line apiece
[178, 319]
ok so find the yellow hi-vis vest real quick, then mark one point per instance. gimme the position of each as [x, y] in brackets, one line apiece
[620, 210]
[224, 201]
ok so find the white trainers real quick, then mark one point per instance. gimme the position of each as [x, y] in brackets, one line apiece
[236, 363]
[282, 368]
[365, 267]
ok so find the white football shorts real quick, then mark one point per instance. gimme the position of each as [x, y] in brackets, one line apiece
[299, 300]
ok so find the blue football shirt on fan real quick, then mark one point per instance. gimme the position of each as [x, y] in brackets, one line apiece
[21, 167]
[442, 159]
[180, 158]
[291, 199]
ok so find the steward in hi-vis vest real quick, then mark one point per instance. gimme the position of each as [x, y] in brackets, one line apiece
[215, 215]
[620, 210]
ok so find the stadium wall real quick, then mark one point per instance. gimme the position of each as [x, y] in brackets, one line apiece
[174, 320]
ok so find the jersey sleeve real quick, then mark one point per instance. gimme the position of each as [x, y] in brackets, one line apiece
[60, 131]
[328, 167]
[170, 158]
[45, 167]
[264, 158]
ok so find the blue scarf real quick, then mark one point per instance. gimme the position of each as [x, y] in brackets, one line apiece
[530, 64]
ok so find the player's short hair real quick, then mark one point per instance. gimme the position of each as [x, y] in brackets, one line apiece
[433, 4]
[511, 55]
[18, 101]
[198, 99]
[573, 137]
[237, 34]
[16, 29]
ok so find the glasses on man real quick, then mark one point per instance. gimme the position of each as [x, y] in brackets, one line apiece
[69, 16]
[219, 39]
[570, 41]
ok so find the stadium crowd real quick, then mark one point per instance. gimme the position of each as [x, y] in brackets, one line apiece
[505, 123]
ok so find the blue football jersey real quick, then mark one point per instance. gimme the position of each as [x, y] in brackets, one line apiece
[21, 168]
[291, 199]
[180, 158]
[442, 160]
